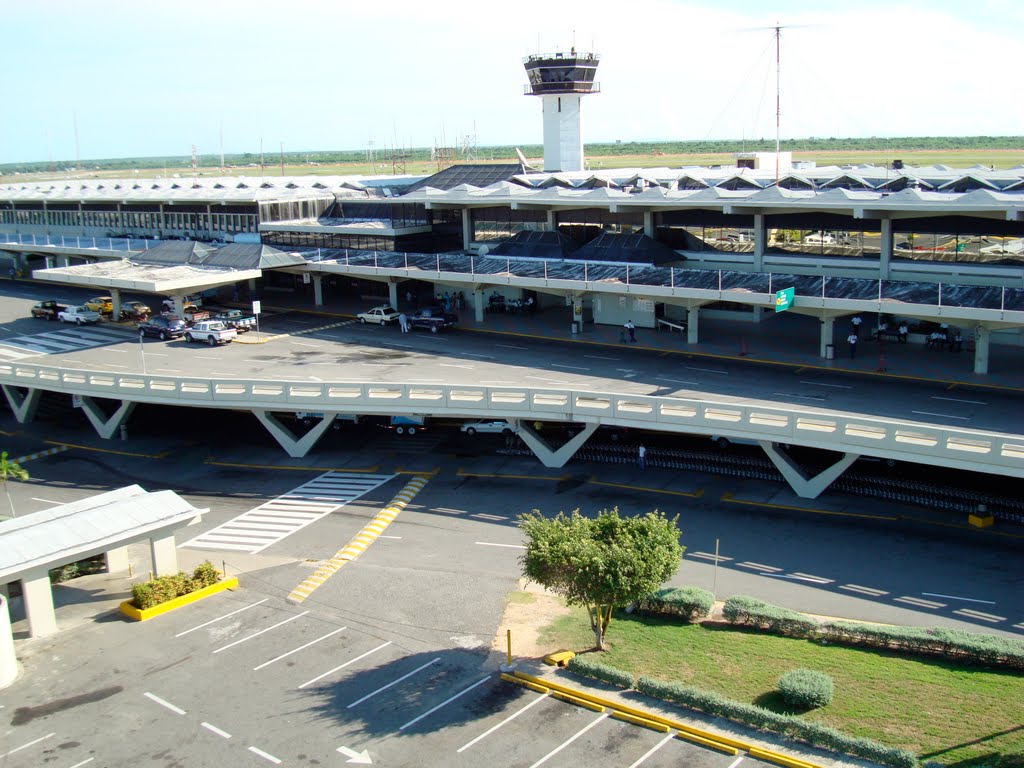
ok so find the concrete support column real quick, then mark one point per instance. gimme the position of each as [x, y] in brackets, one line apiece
[252, 287]
[885, 257]
[758, 314]
[478, 305]
[577, 310]
[693, 325]
[552, 222]
[318, 290]
[806, 487]
[48, 260]
[467, 228]
[63, 260]
[106, 427]
[649, 224]
[165, 556]
[115, 300]
[116, 560]
[294, 447]
[8, 659]
[760, 241]
[981, 341]
[37, 592]
[828, 325]
[23, 405]
[179, 305]
[542, 450]
[393, 294]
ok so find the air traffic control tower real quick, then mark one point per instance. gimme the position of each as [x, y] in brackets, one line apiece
[562, 80]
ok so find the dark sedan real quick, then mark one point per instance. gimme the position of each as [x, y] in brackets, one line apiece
[163, 327]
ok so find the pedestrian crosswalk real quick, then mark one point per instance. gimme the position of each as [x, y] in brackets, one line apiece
[64, 340]
[269, 523]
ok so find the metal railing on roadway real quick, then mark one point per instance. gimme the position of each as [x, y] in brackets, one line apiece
[977, 450]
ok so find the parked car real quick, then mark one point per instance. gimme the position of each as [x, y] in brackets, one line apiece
[236, 318]
[163, 326]
[134, 310]
[435, 319]
[382, 315]
[78, 316]
[497, 426]
[213, 332]
[102, 304]
[48, 309]
[820, 238]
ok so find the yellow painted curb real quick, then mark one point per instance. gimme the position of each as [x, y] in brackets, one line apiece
[728, 497]
[775, 757]
[688, 494]
[139, 614]
[642, 721]
[706, 742]
[110, 450]
[464, 473]
[579, 702]
[525, 683]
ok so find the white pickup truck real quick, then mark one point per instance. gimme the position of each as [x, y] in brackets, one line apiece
[78, 316]
[213, 332]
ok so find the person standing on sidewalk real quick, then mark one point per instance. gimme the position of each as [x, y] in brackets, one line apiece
[631, 329]
[642, 456]
[852, 340]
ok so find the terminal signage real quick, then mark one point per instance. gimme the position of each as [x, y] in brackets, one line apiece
[784, 299]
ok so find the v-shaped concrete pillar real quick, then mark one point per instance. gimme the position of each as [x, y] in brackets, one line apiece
[806, 487]
[543, 451]
[106, 427]
[23, 404]
[294, 447]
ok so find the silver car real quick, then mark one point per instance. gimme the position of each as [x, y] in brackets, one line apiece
[497, 427]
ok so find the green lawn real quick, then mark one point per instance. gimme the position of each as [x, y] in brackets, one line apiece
[951, 715]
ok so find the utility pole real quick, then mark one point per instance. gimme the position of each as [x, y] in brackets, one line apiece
[282, 158]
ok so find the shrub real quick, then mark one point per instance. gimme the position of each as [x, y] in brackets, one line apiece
[588, 666]
[205, 575]
[741, 609]
[164, 588]
[806, 689]
[689, 603]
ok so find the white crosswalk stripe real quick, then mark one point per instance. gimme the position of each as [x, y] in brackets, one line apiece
[66, 340]
[269, 523]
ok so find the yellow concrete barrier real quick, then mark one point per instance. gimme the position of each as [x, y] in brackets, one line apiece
[706, 742]
[775, 757]
[139, 614]
[643, 721]
[525, 683]
[578, 701]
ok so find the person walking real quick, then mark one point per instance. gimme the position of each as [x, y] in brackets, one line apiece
[857, 320]
[642, 456]
[903, 333]
[403, 323]
[852, 340]
[631, 330]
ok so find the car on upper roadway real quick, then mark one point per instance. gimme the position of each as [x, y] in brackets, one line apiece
[497, 427]
[163, 327]
[382, 315]
[102, 304]
[78, 316]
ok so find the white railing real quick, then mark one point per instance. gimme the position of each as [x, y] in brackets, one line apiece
[978, 450]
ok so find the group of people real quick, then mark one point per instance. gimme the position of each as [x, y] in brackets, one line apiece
[499, 303]
[941, 338]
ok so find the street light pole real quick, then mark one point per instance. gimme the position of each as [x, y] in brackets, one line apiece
[142, 352]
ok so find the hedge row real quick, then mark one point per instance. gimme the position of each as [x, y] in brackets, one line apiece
[587, 666]
[164, 588]
[952, 644]
[790, 726]
[689, 603]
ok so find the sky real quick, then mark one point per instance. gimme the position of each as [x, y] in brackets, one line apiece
[147, 79]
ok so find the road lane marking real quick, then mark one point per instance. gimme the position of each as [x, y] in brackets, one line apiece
[602, 357]
[795, 394]
[215, 729]
[658, 746]
[813, 577]
[454, 365]
[342, 666]
[394, 682]
[508, 719]
[262, 631]
[477, 354]
[162, 703]
[870, 591]
[710, 556]
[676, 381]
[954, 597]
[758, 566]
[570, 740]
[26, 746]
[446, 702]
[221, 618]
[265, 755]
[736, 762]
[510, 346]
[300, 648]
[958, 400]
[570, 367]
[822, 384]
[491, 544]
[972, 614]
[707, 370]
[84, 762]
[45, 501]
[941, 415]
[919, 603]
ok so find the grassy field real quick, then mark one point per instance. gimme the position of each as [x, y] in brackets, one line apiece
[947, 714]
[955, 158]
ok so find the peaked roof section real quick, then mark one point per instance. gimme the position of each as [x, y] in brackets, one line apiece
[251, 256]
[478, 175]
[636, 248]
[175, 252]
[542, 245]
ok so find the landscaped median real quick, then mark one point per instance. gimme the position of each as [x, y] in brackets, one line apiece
[163, 594]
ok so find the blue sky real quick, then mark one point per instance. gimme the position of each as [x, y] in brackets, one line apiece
[144, 79]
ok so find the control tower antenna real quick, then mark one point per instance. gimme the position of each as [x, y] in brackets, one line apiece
[562, 80]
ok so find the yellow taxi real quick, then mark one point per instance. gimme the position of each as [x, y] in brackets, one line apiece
[102, 304]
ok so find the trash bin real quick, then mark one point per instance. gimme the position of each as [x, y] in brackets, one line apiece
[575, 327]
[830, 351]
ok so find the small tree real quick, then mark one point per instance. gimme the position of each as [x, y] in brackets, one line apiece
[603, 562]
[10, 471]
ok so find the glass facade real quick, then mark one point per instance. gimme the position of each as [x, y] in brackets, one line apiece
[502, 223]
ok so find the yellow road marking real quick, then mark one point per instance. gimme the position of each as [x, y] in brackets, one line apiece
[214, 463]
[110, 450]
[727, 497]
[689, 494]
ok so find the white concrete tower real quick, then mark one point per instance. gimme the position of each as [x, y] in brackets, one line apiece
[562, 80]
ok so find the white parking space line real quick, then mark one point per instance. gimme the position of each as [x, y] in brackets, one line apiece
[265, 755]
[492, 544]
[510, 346]
[569, 367]
[871, 591]
[675, 381]
[655, 748]
[570, 740]
[221, 618]
[261, 632]
[735, 762]
[306, 344]
[941, 415]
[215, 729]
[822, 384]
[47, 501]
[602, 357]
[798, 395]
[383, 688]
[707, 370]
[508, 719]
[26, 746]
[162, 703]
[445, 703]
[342, 666]
[84, 762]
[300, 648]
[958, 400]
[954, 597]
